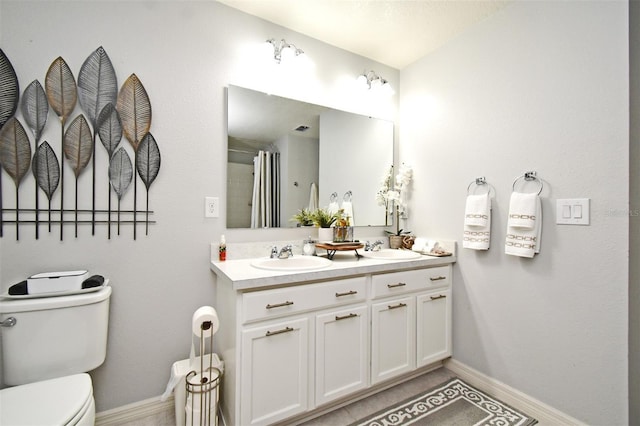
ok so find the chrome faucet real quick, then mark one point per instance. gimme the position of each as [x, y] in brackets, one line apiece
[376, 246]
[285, 252]
[274, 252]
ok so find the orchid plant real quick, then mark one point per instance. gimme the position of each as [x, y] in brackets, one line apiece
[398, 194]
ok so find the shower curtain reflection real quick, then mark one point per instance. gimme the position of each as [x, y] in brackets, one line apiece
[265, 210]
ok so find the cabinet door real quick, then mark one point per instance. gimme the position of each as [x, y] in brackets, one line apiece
[274, 372]
[393, 349]
[433, 313]
[341, 353]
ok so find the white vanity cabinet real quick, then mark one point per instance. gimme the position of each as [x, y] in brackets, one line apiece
[411, 320]
[293, 343]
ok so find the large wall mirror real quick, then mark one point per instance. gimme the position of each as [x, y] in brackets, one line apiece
[282, 152]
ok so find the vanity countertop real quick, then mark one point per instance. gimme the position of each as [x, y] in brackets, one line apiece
[245, 277]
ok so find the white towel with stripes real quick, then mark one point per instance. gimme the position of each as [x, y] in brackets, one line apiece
[524, 225]
[477, 222]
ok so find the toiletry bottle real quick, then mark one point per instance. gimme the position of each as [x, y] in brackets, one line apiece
[222, 249]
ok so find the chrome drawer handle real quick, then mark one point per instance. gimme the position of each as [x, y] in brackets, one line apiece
[273, 333]
[348, 293]
[279, 305]
[9, 322]
[438, 278]
[396, 285]
[442, 296]
[338, 318]
[399, 305]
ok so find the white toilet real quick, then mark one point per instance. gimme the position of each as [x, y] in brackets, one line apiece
[46, 353]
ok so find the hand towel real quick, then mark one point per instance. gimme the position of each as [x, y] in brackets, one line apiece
[347, 206]
[477, 210]
[522, 210]
[521, 240]
[313, 197]
[477, 223]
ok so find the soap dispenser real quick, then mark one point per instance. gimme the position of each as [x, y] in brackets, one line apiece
[309, 247]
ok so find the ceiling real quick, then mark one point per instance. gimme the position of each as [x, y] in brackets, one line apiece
[393, 32]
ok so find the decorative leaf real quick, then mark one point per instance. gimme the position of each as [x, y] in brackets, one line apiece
[135, 110]
[109, 128]
[47, 169]
[97, 84]
[120, 171]
[9, 89]
[148, 160]
[35, 108]
[15, 150]
[61, 89]
[78, 146]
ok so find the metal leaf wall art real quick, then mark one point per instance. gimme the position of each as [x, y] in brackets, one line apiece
[15, 156]
[120, 175]
[134, 107]
[107, 113]
[110, 132]
[78, 148]
[62, 93]
[47, 171]
[97, 87]
[148, 165]
[9, 94]
[35, 110]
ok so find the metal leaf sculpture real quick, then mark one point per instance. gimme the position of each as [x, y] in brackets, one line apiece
[110, 131]
[78, 148]
[35, 109]
[120, 175]
[97, 87]
[9, 94]
[135, 111]
[148, 166]
[47, 171]
[60, 86]
[15, 155]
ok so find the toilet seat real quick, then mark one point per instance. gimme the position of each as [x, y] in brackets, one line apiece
[62, 401]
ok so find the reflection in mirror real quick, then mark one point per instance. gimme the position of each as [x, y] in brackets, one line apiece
[282, 152]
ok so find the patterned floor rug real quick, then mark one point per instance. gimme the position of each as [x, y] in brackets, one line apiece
[451, 403]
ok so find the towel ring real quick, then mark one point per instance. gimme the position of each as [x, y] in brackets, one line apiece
[528, 177]
[480, 181]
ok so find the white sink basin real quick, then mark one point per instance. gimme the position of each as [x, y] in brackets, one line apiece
[295, 263]
[391, 254]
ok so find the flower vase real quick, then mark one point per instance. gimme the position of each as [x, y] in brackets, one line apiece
[395, 241]
[325, 235]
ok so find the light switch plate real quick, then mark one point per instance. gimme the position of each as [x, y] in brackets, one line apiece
[573, 211]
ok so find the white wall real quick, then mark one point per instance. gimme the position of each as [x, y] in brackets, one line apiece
[185, 53]
[540, 86]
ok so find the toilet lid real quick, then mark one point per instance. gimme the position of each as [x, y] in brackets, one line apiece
[50, 402]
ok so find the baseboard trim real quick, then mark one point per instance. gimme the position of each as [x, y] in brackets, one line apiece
[135, 411]
[545, 414]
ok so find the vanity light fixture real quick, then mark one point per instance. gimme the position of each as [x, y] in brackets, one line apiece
[283, 47]
[371, 80]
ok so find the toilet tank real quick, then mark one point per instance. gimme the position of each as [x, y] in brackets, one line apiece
[54, 336]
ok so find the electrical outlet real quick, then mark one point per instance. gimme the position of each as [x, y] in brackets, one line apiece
[211, 207]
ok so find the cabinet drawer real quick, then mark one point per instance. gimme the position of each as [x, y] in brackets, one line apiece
[286, 301]
[385, 285]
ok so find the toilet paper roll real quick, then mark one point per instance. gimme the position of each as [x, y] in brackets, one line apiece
[202, 315]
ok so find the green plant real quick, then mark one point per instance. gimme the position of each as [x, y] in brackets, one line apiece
[304, 217]
[323, 218]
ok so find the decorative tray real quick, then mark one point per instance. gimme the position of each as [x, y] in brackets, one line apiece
[6, 295]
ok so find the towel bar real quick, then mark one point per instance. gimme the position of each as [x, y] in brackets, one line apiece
[529, 177]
